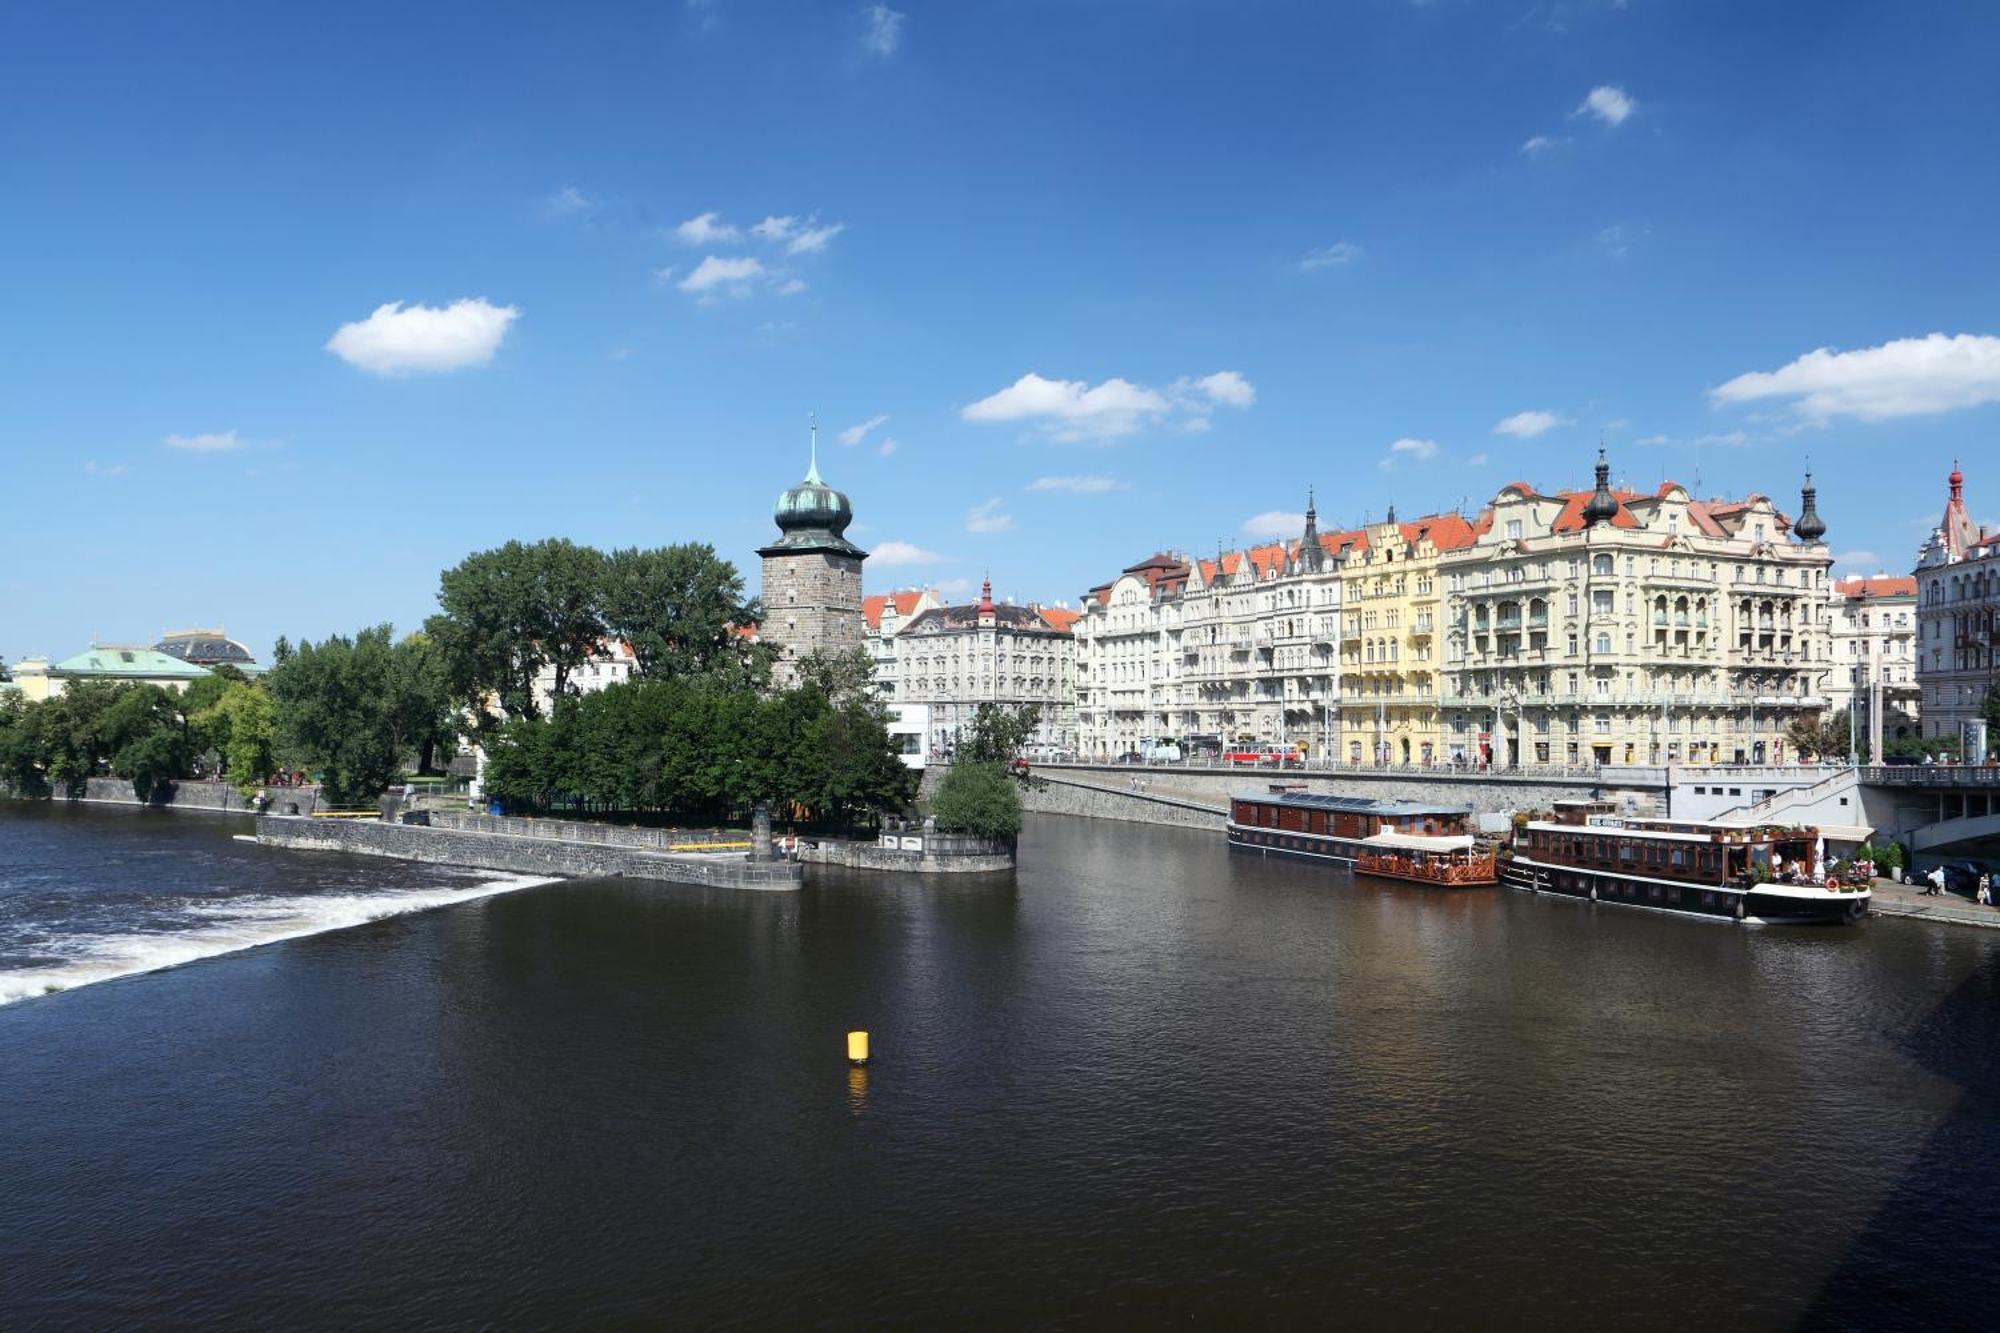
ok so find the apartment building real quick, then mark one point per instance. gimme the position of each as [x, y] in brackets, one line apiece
[1390, 662]
[1958, 617]
[1615, 626]
[1872, 627]
[953, 659]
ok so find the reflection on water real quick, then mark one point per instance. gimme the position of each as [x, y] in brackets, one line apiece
[1140, 1081]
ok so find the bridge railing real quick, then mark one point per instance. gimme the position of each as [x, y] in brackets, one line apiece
[1932, 775]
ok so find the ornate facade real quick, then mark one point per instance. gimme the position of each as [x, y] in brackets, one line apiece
[1958, 617]
[1872, 626]
[953, 659]
[1613, 626]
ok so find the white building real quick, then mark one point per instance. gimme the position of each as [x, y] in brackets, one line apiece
[1612, 626]
[1958, 617]
[953, 659]
[1238, 650]
[1872, 623]
[612, 664]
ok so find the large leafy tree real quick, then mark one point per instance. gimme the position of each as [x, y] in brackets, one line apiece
[508, 613]
[683, 611]
[980, 799]
[334, 706]
[998, 733]
[420, 701]
[1823, 734]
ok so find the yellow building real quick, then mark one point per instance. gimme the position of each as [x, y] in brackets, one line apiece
[1389, 658]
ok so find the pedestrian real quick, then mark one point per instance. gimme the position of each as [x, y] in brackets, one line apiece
[1936, 881]
[1986, 890]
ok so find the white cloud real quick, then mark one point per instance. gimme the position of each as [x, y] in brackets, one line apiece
[1859, 561]
[1077, 410]
[885, 30]
[1617, 239]
[888, 447]
[96, 468]
[1537, 145]
[790, 287]
[419, 339]
[213, 442]
[810, 240]
[1477, 460]
[1907, 377]
[1608, 104]
[855, 434]
[1411, 450]
[732, 275]
[706, 229]
[1224, 386]
[1527, 425]
[987, 517]
[568, 202]
[947, 589]
[1273, 524]
[1646, 441]
[1086, 485]
[1337, 255]
[664, 275]
[774, 229]
[902, 553]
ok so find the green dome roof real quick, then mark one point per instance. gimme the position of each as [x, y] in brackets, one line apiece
[813, 515]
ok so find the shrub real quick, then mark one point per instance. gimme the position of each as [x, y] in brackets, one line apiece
[979, 799]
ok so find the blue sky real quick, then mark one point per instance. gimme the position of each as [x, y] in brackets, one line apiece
[299, 306]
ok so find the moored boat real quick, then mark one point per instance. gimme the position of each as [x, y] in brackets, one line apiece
[1761, 873]
[1423, 844]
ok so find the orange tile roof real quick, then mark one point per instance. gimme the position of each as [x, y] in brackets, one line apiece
[1060, 618]
[1881, 585]
[905, 600]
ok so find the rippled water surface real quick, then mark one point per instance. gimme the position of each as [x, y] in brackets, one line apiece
[1140, 1082]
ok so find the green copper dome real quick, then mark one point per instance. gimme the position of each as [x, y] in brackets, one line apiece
[814, 516]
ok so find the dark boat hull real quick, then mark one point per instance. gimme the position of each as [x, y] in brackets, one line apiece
[1325, 850]
[1769, 904]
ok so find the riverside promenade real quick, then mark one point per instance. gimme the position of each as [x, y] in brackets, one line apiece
[1907, 900]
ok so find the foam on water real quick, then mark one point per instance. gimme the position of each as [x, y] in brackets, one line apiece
[231, 925]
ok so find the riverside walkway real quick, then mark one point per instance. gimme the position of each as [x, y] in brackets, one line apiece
[1907, 900]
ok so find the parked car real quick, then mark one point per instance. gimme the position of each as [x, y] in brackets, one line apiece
[1962, 876]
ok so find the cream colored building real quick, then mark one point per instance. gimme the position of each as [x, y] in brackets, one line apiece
[1872, 623]
[1958, 617]
[1611, 626]
[1390, 662]
[952, 660]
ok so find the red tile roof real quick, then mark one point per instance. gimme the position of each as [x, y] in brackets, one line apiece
[1881, 585]
[905, 599]
[1060, 618]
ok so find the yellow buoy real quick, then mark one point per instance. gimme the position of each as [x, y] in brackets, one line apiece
[857, 1048]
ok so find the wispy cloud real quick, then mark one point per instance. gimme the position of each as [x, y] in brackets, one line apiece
[1537, 145]
[1077, 410]
[97, 469]
[1477, 460]
[987, 517]
[1273, 524]
[1860, 562]
[400, 340]
[210, 442]
[1338, 255]
[888, 447]
[1082, 485]
[858, 432]
[1618, 239]
[568, 202]
[1906, 377]
[894, 553]
[1607, 104]
[730, 276]
[1527, 425]
[882, 31]
[707, 229]
[1408, 450]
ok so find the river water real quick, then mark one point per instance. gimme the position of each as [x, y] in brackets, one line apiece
[1140, 1082]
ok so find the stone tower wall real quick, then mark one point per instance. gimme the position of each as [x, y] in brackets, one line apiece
[812, 601]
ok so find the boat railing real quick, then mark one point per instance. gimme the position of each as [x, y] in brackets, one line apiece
[1476, 868]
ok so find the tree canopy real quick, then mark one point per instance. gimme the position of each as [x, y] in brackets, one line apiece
[354, 708]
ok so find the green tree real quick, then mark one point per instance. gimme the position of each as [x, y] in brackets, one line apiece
[242, 728]
[420, 700]
[683, 611]
[507, 613]
[334, 710]
[1989, 708]
[998, 733]
[980, 799]
[1822, 734]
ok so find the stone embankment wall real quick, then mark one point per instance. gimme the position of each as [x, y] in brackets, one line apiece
[942, 854]
[1486, 793]
[201, 797]
[523, 855]
[1063, 795]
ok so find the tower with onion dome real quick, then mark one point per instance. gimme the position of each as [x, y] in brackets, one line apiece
[812, 575]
